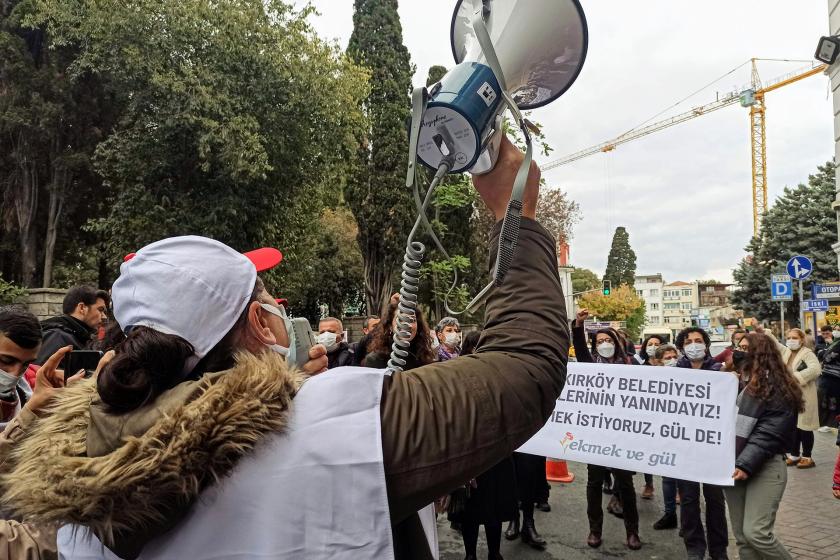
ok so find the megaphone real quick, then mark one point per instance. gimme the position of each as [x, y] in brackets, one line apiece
[527, 51]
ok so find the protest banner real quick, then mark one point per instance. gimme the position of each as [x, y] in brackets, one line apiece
[669, 421]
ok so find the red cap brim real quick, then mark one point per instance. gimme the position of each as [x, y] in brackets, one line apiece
[265, 258]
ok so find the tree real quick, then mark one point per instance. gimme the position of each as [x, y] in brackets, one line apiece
[623, 304]
[797, 224]
[584, 280]
[558, 214]
[621, 262]
[376, 193]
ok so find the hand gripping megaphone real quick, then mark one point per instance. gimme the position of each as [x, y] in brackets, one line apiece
[514, 54]
[528, 52]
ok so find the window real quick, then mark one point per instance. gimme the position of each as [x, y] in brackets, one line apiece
[654, 307]
[686, 307]
[710, 289]
[654, 293]
[686, 293]
[640, 293]
[672, 306]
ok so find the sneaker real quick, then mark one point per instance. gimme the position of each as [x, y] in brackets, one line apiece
[806, 463]
[667, 521]
[824, 429]
[791, 461]
[647, 493]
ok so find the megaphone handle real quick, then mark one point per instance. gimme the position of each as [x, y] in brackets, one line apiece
[510, 227]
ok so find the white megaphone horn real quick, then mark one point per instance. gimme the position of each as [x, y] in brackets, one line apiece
[530, 51]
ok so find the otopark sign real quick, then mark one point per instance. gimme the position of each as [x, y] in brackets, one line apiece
[827, 290]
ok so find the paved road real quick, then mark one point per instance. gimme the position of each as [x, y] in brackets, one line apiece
[808, 521]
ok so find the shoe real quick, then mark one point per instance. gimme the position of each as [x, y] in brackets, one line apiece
[667, 521]
[824, 429]
[806, 463]
[791, 461]
[512, 531]
[615, 508]
[530, 535]
[594, 540]
[633, 541]
[544, 506]
[647, 493]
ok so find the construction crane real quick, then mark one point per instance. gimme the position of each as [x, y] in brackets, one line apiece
[752, 97]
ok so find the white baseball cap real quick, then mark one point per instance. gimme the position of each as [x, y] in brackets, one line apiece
[193, 287]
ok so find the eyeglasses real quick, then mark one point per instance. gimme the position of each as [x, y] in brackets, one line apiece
[275, 310]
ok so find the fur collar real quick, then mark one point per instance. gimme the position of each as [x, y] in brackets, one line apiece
[151, 479]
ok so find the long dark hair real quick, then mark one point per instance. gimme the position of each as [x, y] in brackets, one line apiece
[767, 376]
[148, 362]
[643, 352]
[383, 337]
[620, 356]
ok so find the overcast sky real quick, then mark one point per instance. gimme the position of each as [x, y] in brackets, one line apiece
[684, 194]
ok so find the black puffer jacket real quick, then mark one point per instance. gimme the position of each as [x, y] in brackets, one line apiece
[830, 359]
[62, 331]
[764, 429]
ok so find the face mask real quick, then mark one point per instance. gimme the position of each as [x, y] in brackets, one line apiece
[739, 357]
[671, 362]
[695, 351]
[290, 332]
[329, 340]
[651, 350]
[8, 382]
[606, 350]
[793, 344]
[452, 339]
[835, 334]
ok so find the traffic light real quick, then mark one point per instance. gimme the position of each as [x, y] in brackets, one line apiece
[607, 287]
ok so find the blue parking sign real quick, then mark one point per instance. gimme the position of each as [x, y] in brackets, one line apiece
[781, 287]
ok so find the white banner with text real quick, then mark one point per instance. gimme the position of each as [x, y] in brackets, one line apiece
[668, 421]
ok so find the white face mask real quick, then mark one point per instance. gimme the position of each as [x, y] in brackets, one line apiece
[670, 362]
[329, 340]
[651, 350]
[282, 350]
[695, 351]
[836, 334]
[8, 382]
[606, 350]
[452, 339]
[793, 344]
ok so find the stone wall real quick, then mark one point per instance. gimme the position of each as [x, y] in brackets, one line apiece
[45, 302]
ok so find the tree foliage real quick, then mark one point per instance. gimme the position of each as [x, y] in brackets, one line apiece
[584, 280]
[231, 120]
[797, 224]
[376, 193]
[621, 262]
[623, 304]
[558, 214]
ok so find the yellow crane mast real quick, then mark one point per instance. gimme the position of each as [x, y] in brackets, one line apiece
[752, 97]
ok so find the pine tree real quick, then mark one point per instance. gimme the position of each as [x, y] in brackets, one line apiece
[376, 193]
[621, 262]
[797, 224]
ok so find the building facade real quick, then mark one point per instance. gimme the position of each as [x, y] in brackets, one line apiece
[679, 299]
[713, 295]
[650, 288]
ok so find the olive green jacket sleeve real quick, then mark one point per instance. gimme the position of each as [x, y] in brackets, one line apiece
[445, 423]
[20, 541]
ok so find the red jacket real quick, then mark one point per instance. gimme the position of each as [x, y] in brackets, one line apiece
[837, 472]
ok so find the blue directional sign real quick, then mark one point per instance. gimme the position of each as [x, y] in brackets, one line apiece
[799, 267]
[815, 305]
[827, 290]
[781, 287]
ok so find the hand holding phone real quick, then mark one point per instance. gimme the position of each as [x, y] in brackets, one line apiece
[79, 360]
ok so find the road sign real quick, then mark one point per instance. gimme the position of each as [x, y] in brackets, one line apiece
[828, 290]
[816, 305]
[781, 287]
[799, 267]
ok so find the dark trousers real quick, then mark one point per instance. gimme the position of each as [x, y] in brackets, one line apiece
[493, 532]
[805, 441]
[530, 481]
[594, 495]
[696, 541]
[669, 495]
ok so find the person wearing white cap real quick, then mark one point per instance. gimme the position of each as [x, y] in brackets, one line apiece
[198, 441]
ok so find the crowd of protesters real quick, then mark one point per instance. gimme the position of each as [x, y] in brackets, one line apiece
[193, 388]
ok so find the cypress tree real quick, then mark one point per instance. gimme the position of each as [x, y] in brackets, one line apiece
[376, 192]
[621, 262]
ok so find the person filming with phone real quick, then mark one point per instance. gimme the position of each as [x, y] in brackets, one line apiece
[199, 441]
